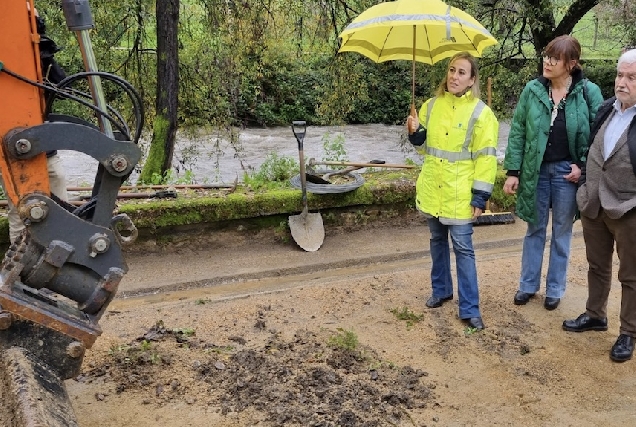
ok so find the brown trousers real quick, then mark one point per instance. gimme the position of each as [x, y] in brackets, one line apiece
[599, 235]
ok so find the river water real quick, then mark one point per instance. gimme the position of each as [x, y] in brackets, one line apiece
[213, 160]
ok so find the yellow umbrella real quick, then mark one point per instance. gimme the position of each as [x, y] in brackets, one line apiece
[420, 30]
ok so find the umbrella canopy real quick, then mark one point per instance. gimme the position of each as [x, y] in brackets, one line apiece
[421, 30]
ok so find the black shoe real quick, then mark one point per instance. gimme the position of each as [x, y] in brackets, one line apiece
[622, 349]
[475, 323]
[585, 323]
[434, 302]
[522, 298]
[551, 303]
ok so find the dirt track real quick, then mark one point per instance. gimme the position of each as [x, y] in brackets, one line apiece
[245, 332]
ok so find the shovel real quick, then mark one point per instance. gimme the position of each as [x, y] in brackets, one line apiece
[306, 228]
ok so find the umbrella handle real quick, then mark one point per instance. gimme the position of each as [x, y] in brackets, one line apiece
[413, 114]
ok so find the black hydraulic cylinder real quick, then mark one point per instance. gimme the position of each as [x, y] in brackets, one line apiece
[78, 15]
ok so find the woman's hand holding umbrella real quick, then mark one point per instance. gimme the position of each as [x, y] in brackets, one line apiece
[412, 123]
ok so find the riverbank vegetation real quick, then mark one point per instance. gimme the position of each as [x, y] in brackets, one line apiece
[253, 63]
[259, 63]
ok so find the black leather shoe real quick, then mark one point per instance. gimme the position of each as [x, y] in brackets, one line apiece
[622, 349]
[585, 323]
[551, 303]
[434, 302]
[475, 322]
[522, 298]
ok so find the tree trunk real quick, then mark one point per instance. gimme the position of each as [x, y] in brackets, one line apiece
[159, 159]
[543, 25]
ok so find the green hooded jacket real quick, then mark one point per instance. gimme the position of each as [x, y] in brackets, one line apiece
[530, 128]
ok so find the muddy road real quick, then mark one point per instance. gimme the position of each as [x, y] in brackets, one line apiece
[250, 331]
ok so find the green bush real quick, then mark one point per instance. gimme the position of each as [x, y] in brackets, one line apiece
[274, 173]
[602, 72]
[502, 201]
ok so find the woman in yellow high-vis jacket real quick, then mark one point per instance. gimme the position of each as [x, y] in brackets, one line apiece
[457, 134]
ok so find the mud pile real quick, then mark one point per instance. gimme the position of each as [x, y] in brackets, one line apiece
[311, 380]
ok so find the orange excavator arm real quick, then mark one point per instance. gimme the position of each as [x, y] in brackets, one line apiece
[58, 277]
[21, 105]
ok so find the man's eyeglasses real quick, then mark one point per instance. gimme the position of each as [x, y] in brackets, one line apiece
[551, 60]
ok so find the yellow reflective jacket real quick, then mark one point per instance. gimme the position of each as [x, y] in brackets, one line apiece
[459, 156]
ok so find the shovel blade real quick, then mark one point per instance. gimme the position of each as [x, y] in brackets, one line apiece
[307, 230]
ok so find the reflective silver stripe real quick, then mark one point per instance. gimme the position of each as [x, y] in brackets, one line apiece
[451, 156]
[429, 110]
[454, 221]
[483, 186]
[487, 151]
[447, 221]
[471, 123]
[390, 20]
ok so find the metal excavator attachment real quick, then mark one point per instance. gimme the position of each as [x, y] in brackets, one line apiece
[58, 278]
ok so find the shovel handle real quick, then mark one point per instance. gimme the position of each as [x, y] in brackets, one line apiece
[299, 127]
[362, 165]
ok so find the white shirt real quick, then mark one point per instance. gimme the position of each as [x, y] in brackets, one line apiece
[617, 125]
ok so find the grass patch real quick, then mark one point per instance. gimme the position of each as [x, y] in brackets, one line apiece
[407, 315]
[343, 339]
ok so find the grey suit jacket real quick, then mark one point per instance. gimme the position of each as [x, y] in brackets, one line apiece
[611, 183]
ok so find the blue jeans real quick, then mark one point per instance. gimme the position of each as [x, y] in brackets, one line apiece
[553, 191]
[441, 279]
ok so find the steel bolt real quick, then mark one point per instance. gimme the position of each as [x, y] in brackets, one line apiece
[23, 146]
[75, 349]
[36, 210]
[36, 213]
[5, 320]
[99, 244]
[119, 163]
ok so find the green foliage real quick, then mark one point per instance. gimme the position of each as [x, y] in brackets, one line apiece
[114, 349]
[281, 231]
[334, 148]
[407, 315]
[141, 352]
[603, 73]
[170, 177]
[469, 330]
[357, 90]
[273, 173]
[187, 332]
[504, 202]
[286, 91]
[343, 339]
[269, 64]
[219, 349]
[157, 154]
[262, 64]
[508, 80]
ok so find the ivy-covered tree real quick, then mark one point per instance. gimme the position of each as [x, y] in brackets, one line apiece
[159, 160]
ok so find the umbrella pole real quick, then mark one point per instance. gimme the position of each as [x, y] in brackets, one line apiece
[413, 111]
